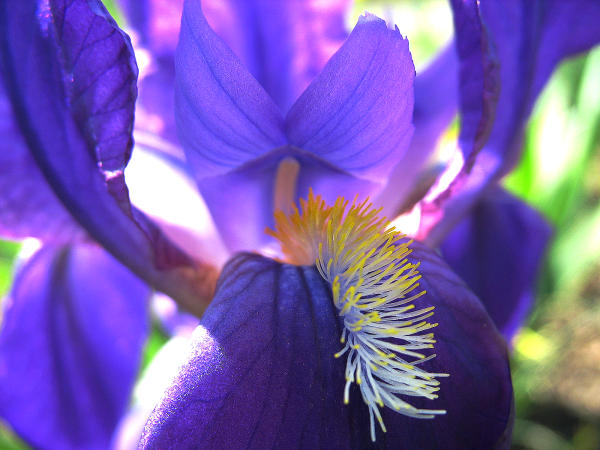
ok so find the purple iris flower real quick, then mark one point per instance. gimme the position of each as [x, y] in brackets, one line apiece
[276, 102]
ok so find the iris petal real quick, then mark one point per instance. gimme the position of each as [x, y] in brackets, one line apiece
[517, 40]
[436, 104]
[242, 227]
[284, 45]
[70, 346]
[510, 237]
[156, 23]
[224, 117]
[262, 368]
[28, 207]
[519, 30]
[479, 78]
[357, 114]
[73, 95]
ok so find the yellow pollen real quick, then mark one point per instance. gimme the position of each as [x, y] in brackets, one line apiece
[373, 286]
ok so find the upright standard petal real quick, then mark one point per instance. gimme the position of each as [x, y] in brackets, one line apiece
[224, 117]
[357, 114]
[262, 367]
[72, 335]
[498, 250]
[284, 45]
[70, 76]
[530, 39]
[28, 207]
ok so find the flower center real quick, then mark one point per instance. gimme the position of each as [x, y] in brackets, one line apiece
[373, 287]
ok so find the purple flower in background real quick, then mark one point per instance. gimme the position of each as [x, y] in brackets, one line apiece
[271, 100]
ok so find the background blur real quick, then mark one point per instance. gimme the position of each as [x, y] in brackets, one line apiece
[556, 358]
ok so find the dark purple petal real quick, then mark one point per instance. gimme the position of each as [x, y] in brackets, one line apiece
[100, 74]
[436, 104]
[530, 38]
[479, 78]
[253, 189]
[261, 371]
[284, 44]
[357, 114]
[478, 394]
[498, 251]
[28, 207]
[70, 76]
[543, 33]
[72, 335]
[224, 117]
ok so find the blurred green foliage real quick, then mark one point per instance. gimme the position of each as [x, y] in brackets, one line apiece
[556, 362]
[8, 441]
[8, 251]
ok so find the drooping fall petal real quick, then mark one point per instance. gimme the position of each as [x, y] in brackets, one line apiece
[543, 33]
[72, 333]
[262, 367]
[28, 207]
[70, 75]
[498, 250]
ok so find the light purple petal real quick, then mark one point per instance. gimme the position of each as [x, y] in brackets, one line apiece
[72, 335]
[261, 371]
[284, 44]
[530, 38]
[224, 117]
[242, 202]
[156, 23]
[498, 251]
[28, 207]
[73, 100]
[155, 110]
[436, 104]
[357, 114]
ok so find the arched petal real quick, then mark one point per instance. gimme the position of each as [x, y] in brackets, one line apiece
[562, 29]
[70, 76]
[357, 114]
[284, 44]
[479, 78]
[28, 207]
[498, 251]
[261, 370]
[477, 395]
[530, 38]
[224, 117]
[72, 335]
